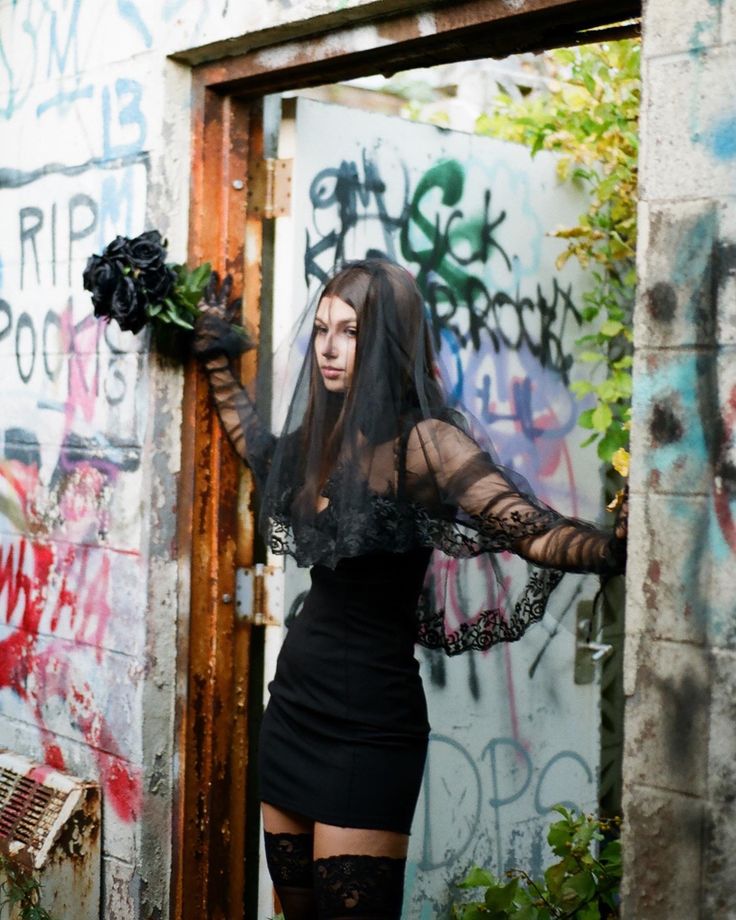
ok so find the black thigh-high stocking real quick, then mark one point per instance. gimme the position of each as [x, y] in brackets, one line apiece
[289, 859]
[365, 887]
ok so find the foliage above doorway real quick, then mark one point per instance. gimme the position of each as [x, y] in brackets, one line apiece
[589, 113]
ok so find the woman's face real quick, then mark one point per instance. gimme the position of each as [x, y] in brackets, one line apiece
[335, 337]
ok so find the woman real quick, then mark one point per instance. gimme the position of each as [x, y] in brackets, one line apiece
[371, 472]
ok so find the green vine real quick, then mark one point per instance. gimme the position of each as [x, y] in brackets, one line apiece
[590, 115]
[582, 885]
[22, 890]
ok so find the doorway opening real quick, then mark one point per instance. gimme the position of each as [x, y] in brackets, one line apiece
[454, 210]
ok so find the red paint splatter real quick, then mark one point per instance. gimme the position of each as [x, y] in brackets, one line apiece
[123, 787]
[38, 675]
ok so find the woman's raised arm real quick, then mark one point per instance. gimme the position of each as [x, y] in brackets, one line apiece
[216, 345]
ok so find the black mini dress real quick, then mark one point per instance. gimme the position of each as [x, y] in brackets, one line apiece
[344, 735]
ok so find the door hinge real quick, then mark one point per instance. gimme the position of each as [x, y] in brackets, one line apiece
[269, 188]
[258, 592]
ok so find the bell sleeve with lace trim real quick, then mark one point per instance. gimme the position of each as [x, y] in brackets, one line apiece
[445, 468]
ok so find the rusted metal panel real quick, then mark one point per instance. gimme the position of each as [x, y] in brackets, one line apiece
[209, 875]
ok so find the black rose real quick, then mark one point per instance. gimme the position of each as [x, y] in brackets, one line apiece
[118, 250]
[129, 305]
[101, 277]
[159, 283]
[147, 251]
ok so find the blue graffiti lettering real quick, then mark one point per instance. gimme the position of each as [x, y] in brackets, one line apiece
[128, 95]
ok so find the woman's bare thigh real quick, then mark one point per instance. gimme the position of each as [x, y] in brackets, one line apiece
[278, 821]
[342, 841]
[330, 840]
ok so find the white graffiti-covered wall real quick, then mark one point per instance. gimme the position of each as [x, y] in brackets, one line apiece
[87, 465]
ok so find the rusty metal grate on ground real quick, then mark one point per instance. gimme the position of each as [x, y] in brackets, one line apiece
[28, 809]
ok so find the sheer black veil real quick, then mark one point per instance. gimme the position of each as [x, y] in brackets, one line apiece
[390, 466]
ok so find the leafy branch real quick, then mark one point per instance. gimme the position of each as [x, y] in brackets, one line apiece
[580, 886]
[590, 115]
[20, 889]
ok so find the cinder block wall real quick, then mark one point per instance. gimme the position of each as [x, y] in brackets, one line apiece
[680, 754]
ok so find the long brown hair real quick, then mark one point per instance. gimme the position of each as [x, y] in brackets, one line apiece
[393, 372]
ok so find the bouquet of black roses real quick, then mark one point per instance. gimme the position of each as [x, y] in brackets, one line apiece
[132, 283]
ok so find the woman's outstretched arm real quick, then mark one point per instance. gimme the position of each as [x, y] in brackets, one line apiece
[443, 459]
[216, 345]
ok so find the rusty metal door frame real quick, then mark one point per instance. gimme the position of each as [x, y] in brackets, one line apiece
[214, 535]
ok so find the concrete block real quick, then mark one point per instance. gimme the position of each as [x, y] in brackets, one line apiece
[719, 865]
[90, 596]
[669, 568]
[722, 736]
[80, 692]
[103, 112]
[670, 451]
[661, 843]
[722, 607]
[666, 31]
[728, 22]
[725, 276]
[121, 885]
[689, 139]
[666, 719]
[678, 268]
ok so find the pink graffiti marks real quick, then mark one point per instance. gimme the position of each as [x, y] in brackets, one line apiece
[56, 580]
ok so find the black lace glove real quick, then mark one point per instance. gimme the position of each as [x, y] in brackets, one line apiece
[214, 334]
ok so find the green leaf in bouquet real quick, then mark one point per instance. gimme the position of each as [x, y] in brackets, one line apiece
[178, 321]
[200, 276]
[153, 309]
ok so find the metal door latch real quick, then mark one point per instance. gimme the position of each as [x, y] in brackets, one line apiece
[587, 652]
[257, 591]
[600, 650]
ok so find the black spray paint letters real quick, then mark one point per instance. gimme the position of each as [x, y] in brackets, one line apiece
[450, 250]
[59, 232]
[51, 344]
